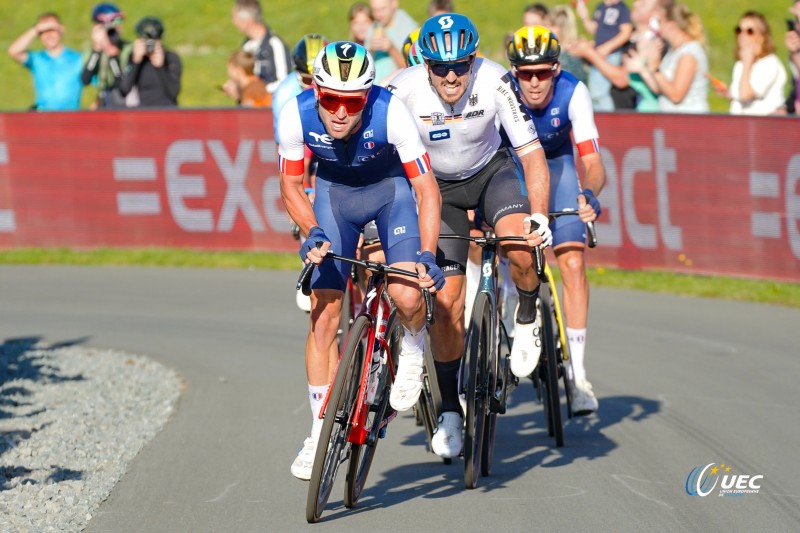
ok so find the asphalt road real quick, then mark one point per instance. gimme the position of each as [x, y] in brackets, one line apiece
[682, 382]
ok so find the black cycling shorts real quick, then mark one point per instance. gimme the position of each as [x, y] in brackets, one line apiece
[495, 190]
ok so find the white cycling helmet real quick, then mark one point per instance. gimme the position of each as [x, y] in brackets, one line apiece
[344, 66]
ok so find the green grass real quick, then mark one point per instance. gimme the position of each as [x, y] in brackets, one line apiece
[769, 292]
[202, 33]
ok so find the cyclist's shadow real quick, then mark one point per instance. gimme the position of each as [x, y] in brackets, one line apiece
[522, 444]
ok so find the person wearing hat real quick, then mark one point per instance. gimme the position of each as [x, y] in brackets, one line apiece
[153, 71]
[103, 67]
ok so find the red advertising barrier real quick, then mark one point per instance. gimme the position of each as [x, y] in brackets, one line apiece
[702, 194]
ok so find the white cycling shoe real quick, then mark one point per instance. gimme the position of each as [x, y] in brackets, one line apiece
[303, 301]
[583, 399]
[407, 382]
[448, 438]
[304, 462]
[526, 349]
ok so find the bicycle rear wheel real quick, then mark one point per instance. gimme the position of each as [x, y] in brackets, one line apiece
[361, 455]
[549, 367]
[333, 446]
[474, 378]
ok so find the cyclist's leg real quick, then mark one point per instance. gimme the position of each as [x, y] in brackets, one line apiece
[505, 208]
[447, 334]
[569, 238]
[327, 284]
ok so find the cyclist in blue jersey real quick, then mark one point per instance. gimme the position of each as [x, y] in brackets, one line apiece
[372, 164]
[559, 105]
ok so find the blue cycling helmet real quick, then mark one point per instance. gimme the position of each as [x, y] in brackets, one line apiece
[107, 14]
[448, 37]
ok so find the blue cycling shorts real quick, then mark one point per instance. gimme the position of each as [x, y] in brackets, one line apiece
[564, 190]
[343, 210]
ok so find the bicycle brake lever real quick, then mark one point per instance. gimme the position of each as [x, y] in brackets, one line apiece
[304, 281]
[430, 305]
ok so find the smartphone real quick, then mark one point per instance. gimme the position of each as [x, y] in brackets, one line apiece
[791, 25]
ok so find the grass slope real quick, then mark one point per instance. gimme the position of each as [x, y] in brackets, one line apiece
[201, 32]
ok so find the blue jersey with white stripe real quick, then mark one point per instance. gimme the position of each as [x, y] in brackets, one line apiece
[552, 122]
[366, 157]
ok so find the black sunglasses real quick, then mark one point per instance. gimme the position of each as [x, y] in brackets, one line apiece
[748, 31]
[459, 67]
[541, 75]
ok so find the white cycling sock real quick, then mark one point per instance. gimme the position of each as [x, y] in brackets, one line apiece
[413, 342]
[577, 347]
[473, 278]
[316, 397]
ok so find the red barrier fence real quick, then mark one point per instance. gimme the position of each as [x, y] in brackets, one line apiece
[706, 194]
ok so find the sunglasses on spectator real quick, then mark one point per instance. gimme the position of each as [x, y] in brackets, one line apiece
[541, 75]
[333, 102]
[459, 67]
[748, 31]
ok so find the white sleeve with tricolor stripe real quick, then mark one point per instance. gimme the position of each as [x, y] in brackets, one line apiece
[581, 115]
[402, 132]
[291, 151]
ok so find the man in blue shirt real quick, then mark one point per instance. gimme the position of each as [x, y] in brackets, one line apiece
[56, 69]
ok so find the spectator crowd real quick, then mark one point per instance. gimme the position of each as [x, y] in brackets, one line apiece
[643, 55]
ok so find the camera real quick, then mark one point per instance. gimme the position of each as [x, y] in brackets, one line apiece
[791, 25]
[150, 29]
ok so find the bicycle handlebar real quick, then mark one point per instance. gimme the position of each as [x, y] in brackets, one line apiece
[304, 281]
[590, 230]
[538, 254]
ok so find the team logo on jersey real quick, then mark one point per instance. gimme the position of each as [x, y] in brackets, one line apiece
[437, 119]
[473, 100]
[556, 122]
[555, 111]
[324, 138]
[369, 134]
[439, 135]
[474, 114]
[369, 145]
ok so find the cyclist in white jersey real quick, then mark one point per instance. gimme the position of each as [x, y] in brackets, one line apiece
[560, 104]
[459, 103]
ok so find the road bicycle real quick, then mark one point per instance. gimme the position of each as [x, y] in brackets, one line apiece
[356, 410]
[554, 361]
[485, 379]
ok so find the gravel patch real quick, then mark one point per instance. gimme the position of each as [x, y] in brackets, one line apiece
[71, 420]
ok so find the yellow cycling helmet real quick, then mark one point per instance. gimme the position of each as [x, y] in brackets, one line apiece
[531, 45]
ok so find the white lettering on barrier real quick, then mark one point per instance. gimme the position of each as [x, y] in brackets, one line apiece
[8, 222]
[639, 159]
[181, 187]
[666, 161]
[765, 225]
[636, 160]
[793, 203]
[610, 224]
[236, 196]
[278, 220]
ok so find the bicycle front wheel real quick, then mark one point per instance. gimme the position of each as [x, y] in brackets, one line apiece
[333, 447]
[549, 367]
[361, 455]
[475, 378]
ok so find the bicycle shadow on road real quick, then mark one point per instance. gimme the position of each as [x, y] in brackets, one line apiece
[24, 360]
[523, 443]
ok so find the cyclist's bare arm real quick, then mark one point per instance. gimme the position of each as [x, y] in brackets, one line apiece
[298, 204]
[429, 201]
[429, 207]
[595, 180]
